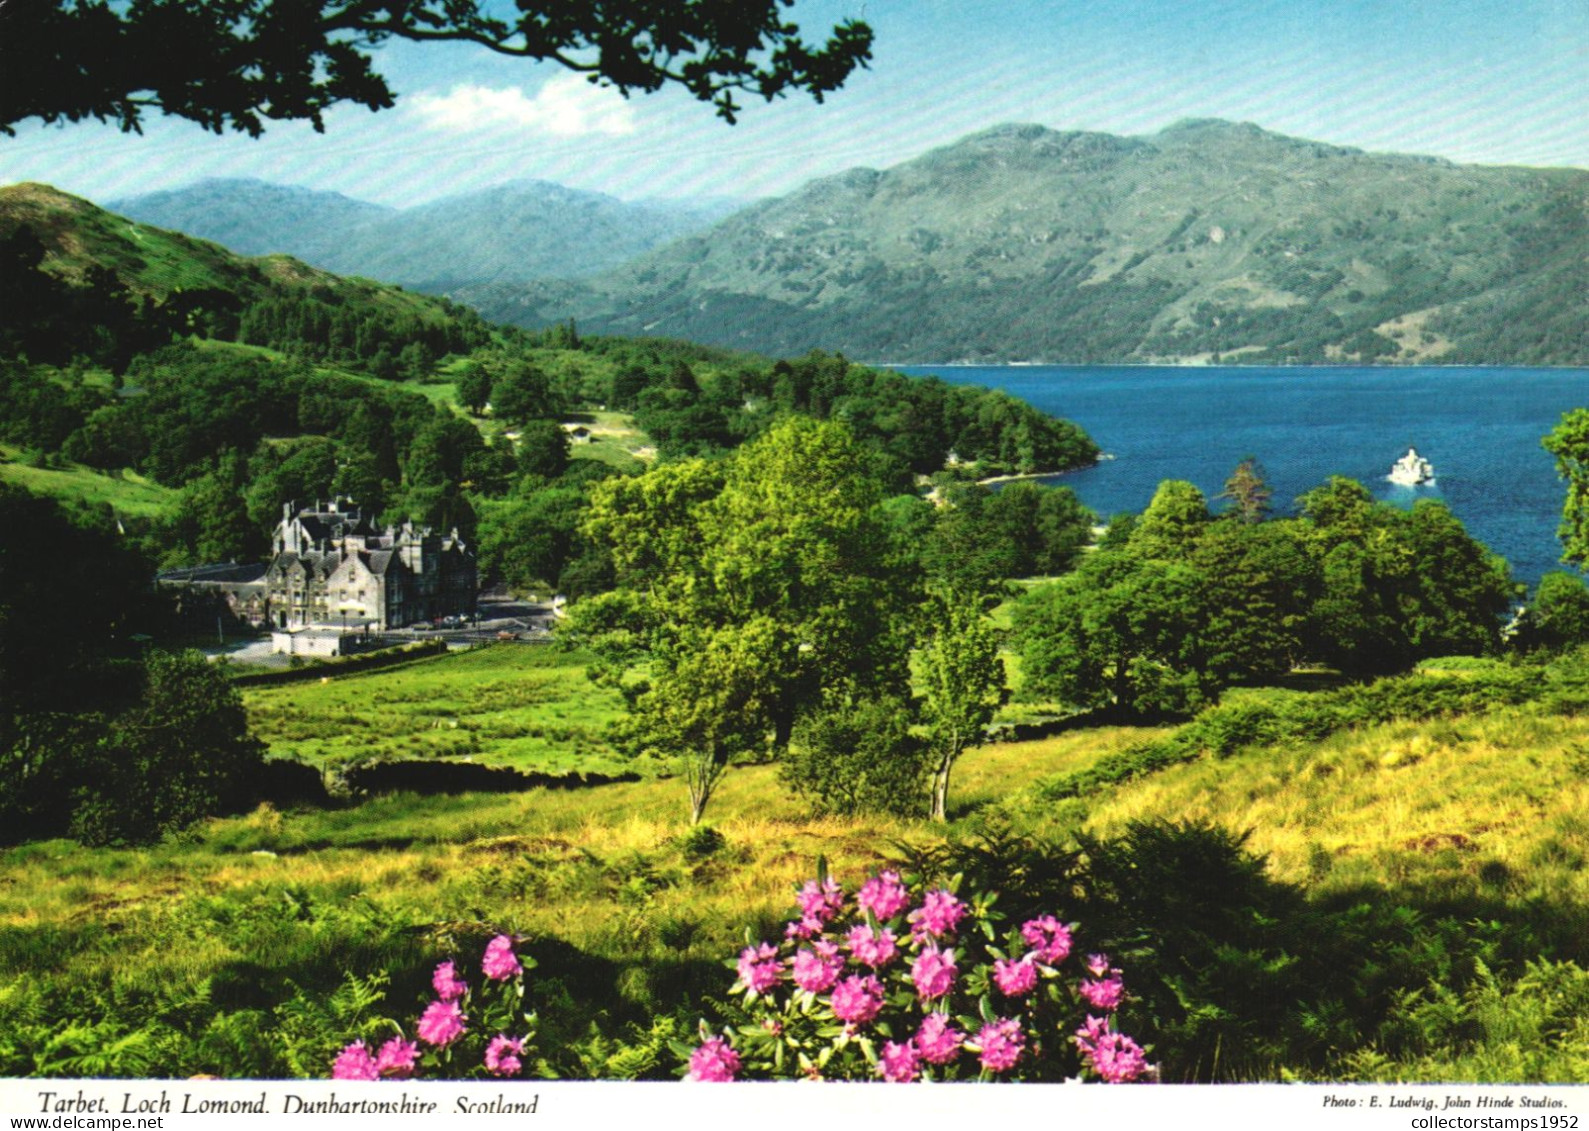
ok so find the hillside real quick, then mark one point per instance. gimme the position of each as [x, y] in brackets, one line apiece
[508, 233]
[79, 236]
[1208, 239]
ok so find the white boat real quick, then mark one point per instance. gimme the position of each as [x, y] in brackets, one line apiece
[1411, 470]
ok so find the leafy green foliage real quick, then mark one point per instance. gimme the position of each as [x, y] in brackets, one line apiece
[1022, 529]
[859, 757]
[753, 590]
[183, 753]
[962, 681]
[1569, 443]
[1558, 616]
[1163, 618]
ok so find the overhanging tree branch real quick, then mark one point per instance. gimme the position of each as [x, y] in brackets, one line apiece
[236, 64]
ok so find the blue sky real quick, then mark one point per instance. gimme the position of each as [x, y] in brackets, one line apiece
[1480, 81]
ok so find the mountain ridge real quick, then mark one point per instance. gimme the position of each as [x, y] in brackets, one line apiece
[1209, 239]
[514, 231]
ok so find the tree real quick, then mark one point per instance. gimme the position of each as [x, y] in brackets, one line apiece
[859, 756]
[543, 449]
[962, 682]
[526, 542]
[523, 393]
[748, 592]
[183, 753]
[1123, 631]
[1247, 491]
[239, 63]
[1569, 443]
[1173, 522]
[1558, 616]
[474, 386]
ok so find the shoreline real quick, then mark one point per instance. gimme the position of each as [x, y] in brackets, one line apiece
[1103, 457]
[899, 365]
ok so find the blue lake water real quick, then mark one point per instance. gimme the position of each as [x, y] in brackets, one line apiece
[1479, 427]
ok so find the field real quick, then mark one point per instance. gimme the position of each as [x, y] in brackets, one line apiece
[1433, 851]
[127, 493]
[518, 706]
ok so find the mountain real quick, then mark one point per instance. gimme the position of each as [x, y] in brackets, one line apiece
[1208, 239]
[253, 217]
[510, 233]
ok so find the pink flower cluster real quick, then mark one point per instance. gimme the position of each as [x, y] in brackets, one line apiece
[933, 973]
[817, 967]
[872, 948]
[1048, 938]
[883, 895]
[441, 1025]
[1115, 1057]
[760, 968]
[937, 917]
[911, 969]
[500, 963]
[1000, 1044]
[714, 1061]
[502, 1055]
[395, 1061]
[1104, 990]
[819, 902]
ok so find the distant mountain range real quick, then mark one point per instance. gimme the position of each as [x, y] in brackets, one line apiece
[1208, 240]
[510, 233]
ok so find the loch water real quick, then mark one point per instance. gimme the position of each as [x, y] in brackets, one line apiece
[1479, 427]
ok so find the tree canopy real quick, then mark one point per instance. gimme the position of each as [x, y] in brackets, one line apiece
[750, 591]
[236, 64]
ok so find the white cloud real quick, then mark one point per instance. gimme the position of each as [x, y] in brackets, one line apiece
[567, 106]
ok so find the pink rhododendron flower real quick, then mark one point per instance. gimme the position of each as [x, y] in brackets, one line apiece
[857, 1000]
[817, 967]
[1097, 965]
[1048, 938]
[938, 1041]
[883, 895]
[760, 967]
[874, 949]
[397, 1059]
[820, 901]
[355, 1063]
[502, 1055]
[803, 928]
[899, 1063]
[441, 1024]
[500, 963]
[448, 986]
[1114, 1056]
[1015, 977]
[714, 1061]
[933, 972]
[939, 914]
[1106, 994]
[1001, 1043]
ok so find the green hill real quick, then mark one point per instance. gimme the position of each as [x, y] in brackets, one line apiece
[1210, 238]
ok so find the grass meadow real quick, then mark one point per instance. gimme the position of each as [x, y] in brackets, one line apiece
[238, 948]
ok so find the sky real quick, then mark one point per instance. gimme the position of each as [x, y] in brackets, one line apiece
[1497, 82]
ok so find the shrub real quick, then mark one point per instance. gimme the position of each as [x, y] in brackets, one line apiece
[462, 1031]
[904, 983]
[858, 758]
